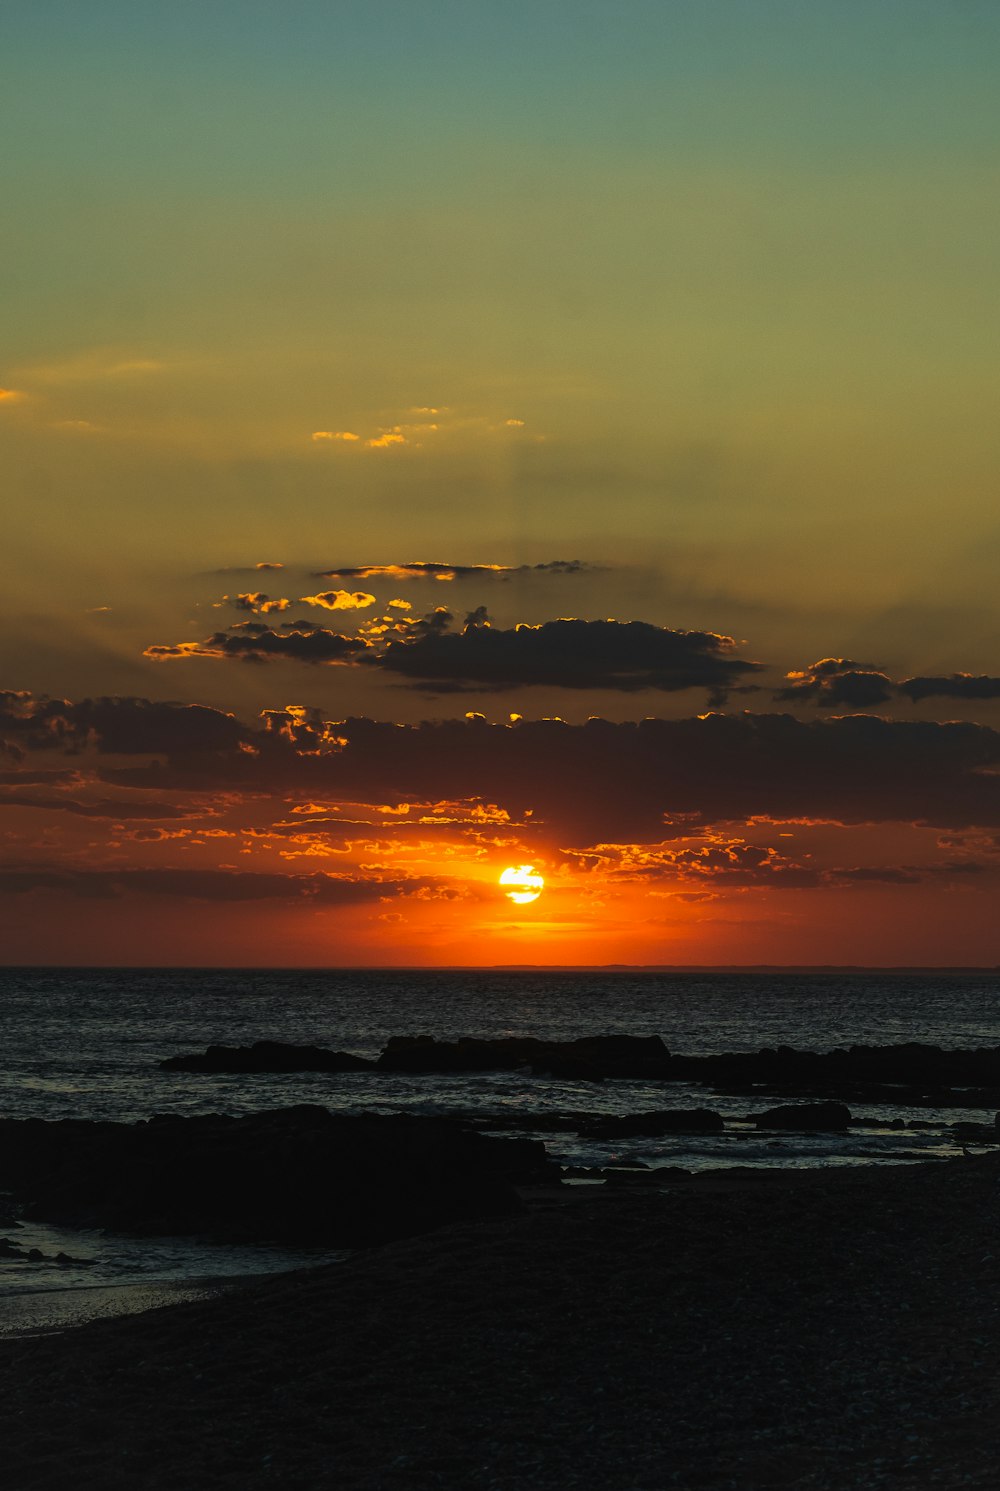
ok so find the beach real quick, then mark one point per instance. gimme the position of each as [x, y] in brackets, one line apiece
[821, 1330]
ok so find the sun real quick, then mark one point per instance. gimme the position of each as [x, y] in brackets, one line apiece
[522, 884]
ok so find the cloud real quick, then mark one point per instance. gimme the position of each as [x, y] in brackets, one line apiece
[10, 395]
[248, 569]
[298, 641]
[956, 686]
[835, 683]
[103, 808]
[257, 600]
[217, 885]
[118, 725]
[603, 782]
[724, 862]
[840, 682]
[340, 600]
[574, 786]
[346, 435]
[387, 438]
[627, 656]
[426, 570]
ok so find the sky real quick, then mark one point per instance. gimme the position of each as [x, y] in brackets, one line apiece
[439, 439]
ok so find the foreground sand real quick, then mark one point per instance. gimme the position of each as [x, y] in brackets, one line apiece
[823, 1330]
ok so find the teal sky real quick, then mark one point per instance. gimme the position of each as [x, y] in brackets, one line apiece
[733, 263]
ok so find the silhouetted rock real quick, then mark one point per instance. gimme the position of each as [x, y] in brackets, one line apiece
[267, 1056]
[976, 1133]
[659, 1121]
[296, 1174]
[589, 1058]
[806, 1118]
[914, 1073]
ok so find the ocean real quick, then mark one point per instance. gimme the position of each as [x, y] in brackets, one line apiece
[86, 1043]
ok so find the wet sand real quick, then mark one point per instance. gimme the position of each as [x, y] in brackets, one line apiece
[36, 1312]
[827, 1331]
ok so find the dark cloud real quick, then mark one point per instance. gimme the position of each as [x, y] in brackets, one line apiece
[570, 654]
[249, 569]
[955, 686]
[101, 808]
[117, 725]
[602, 782]
[26, 778]
[735, 864]
[577, 785]
[217, 885]
[838, 683]
[258, 600]
[252, 642]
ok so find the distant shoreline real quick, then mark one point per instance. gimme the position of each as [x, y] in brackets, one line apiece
[874, 969]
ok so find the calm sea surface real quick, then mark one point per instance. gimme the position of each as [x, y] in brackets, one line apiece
[86, 1043]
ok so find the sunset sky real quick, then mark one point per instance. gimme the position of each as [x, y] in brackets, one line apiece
[446, 437]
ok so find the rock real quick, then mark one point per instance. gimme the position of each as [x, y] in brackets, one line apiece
[978, 1133]
[268, 1056]
[813, 1118]
[297, 1174]
[588, 1058]
[914, 1073]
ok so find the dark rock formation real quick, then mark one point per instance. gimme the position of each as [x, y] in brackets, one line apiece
[589, 1058]
[659, 1121]
[267, 1056]
[914, 1074]
[9, 1250]
[806, 1118]
[296, 1174]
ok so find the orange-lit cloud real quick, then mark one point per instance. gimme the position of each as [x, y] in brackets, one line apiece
[10, 395]
[163, 650]
[435, 570]
[258, 601]
[344, 435]
[248, 641]
[387, 438]
[339, 600]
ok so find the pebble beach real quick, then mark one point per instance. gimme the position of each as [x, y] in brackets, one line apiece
[827, 1331]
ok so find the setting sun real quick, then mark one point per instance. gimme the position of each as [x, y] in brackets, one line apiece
[522, 884]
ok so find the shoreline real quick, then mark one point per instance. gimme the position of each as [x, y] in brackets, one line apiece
[835, 1331]
[50, 1311]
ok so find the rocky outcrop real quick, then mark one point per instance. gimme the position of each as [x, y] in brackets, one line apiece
[914, 1074]
[267, 1056]
[806, 1118]
[298, 1174]
[590, 1058]
[13, 1251]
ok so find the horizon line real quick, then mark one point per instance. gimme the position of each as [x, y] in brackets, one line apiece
[430, 968]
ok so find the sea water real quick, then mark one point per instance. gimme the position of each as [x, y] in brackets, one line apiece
[86, 1043]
